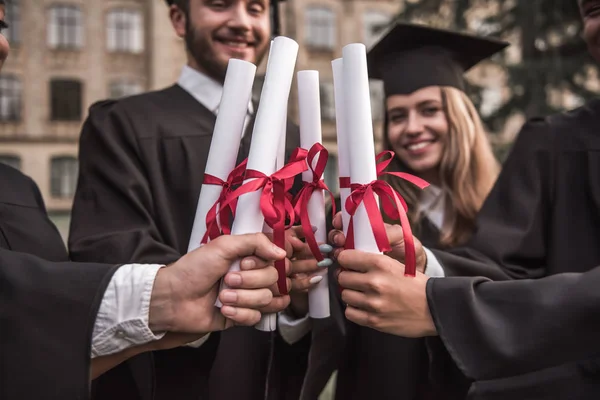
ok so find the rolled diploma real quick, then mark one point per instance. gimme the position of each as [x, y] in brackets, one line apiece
[310, 133]
[263, 149]
[225, 143]
[342, 135]
[359, 126]
[269, 320]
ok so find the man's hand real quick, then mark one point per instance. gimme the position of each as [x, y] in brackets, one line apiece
[380, 296]
[184, 293]
[305, 271]
[395, 236]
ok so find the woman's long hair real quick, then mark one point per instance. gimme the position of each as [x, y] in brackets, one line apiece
[468, 169]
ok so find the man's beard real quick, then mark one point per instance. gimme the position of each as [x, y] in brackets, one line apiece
[204, 55]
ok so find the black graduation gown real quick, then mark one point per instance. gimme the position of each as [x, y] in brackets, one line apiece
[541, 218]
[47, 305]
[377, 365]
[370, 364]
[142, 161]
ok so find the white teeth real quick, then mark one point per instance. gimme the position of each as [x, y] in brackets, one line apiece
[418, 146]
[237, 44]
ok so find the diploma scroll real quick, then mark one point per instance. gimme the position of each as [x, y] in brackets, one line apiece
[225, 143]
[310, 133]
[359, 128]
[267, 130]
[342, 136]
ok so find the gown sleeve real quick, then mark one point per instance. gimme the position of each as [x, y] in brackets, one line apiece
[47, 314]
[497, 330]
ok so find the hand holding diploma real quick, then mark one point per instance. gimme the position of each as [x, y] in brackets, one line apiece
[254, 203]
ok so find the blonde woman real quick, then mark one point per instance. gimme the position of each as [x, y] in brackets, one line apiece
[436, 134]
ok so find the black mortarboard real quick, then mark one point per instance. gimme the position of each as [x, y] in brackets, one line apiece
[274, 12]
[410, 57]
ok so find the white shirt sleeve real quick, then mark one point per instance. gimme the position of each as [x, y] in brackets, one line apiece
[433, 268]
[122, 320]
[291, 329]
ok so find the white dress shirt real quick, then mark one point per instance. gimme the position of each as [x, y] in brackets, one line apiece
[122, 319]
[431, 204]
[206, 91]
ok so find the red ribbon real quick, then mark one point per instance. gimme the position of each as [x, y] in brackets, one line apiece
[275, 204]
[345, 182]
[304, 195]
[392, 204]
[225, 211]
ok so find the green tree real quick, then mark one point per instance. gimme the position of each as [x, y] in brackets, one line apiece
[553, 57]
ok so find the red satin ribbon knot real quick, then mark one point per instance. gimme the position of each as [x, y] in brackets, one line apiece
[304, 195]
[275, 204]
[392, 204]
[225, 211]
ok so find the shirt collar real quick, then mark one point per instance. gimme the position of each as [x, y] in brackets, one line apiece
[431, 203]
[204, 89]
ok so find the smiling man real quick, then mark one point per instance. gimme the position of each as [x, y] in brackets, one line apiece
[142, 161]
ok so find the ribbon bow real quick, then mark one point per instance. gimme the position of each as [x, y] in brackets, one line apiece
[392, 204]
[225, 211]
[274, 203]
[304, 195]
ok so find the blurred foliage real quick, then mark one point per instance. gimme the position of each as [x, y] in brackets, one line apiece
[548, 68]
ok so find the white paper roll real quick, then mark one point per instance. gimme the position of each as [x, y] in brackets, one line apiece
[270, 320]
[310, 133]
[225, 143]
[358, 123]
[342, 135]
[265, 137]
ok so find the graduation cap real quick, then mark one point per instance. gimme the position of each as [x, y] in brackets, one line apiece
[274, 11]
[410, 57]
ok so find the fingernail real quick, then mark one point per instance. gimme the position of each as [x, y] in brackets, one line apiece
[279, 252]
[248, 263]
[326, 262]
[229, 296]
[337, 239]
[315, 279]
[228, 311]
[314, 228]
[235, 279]
[325, 248]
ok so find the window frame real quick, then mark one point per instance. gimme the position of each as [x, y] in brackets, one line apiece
[61, 175]
[65, 27]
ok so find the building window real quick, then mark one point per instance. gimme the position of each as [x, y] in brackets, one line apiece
[374, 24]
[125, 31]
[11, 160]
[10, 98]
[377, 99]
[320, 28]
[65, 29]
[327, 101]
[63, 176]
[65, 100]
[330, 175]
[124, 88]
[13, 16]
